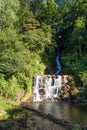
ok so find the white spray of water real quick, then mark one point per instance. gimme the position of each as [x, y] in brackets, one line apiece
[51, 87]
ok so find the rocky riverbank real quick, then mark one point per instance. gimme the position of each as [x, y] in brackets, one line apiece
[68, 125]
[25, 119]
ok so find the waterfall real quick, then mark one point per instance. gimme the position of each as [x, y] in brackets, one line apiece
[58, 65]
[46, 87]
[58, 84]
[36, 87]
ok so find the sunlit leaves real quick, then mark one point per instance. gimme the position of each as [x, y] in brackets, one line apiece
[80, 22]
[8, 10]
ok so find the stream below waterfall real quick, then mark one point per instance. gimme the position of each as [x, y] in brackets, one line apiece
[62, 110]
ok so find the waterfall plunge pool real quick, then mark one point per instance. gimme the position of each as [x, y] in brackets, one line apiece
[62, 110]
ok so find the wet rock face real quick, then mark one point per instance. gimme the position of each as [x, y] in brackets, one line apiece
[68, 93]
[42, 91]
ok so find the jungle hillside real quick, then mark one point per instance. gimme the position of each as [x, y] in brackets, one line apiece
[31, 32]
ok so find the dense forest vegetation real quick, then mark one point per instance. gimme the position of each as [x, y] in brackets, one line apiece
[30, 33]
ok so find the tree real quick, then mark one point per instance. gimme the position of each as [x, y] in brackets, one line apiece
[8, 11]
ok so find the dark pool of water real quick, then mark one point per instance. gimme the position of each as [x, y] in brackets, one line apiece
[65, 111]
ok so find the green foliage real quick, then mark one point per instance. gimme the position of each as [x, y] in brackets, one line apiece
[8, 90]
[36, 5]
[28, 38]
[3, 85]
[22, 48]
[36, 36]
[51, 13]
[13, 88]
[77, 127]
[84, 78]
[8, 11]
[73, 33]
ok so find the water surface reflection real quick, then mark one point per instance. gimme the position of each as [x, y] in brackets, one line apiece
[63, 111]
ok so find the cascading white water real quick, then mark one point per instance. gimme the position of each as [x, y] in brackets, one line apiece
[58, 84]
[46, 87]
[36, 88]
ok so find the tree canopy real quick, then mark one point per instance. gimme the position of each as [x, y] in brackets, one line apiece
[30, 32]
